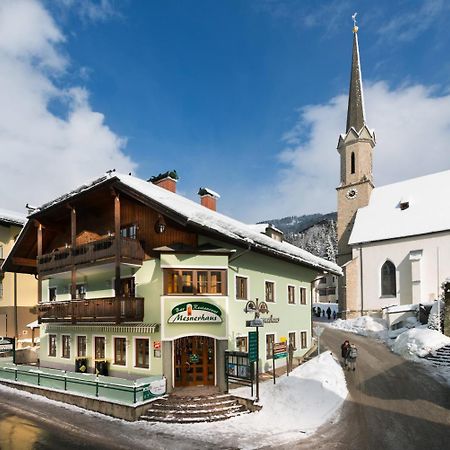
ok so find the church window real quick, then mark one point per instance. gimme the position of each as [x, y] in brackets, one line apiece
[352, 163]
[388, 282]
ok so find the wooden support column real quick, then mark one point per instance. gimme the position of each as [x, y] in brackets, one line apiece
[73, 243]
[39, 254]
[117, 284]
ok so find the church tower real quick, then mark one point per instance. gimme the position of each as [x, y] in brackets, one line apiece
[356, 182]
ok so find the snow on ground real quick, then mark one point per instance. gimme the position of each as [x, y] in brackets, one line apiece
[365, 326]
[419, 342]
[293, 408]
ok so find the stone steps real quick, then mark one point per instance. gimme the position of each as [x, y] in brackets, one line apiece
[211, 408]
[441, 357]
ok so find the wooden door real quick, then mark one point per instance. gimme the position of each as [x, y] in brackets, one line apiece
[194, 361]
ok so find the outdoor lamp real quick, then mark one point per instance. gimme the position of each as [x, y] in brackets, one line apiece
[160, 225]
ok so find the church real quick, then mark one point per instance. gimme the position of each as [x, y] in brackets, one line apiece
[393, 240]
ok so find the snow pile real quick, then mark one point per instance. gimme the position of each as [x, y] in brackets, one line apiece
[293, 408]
[365, 326]
[436, 315]
[419, 342]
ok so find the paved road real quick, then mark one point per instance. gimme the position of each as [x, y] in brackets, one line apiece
[393, 404]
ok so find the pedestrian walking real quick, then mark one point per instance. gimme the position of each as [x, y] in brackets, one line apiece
[319, 311]
[323, 313]
[352, 355]
[345, 350]
[334, 315]
[329, 313]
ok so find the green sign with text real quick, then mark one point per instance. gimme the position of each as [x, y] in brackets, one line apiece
[252, 346]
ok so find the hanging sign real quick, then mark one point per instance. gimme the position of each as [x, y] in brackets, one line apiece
[279, 350]
[196, 312]
[252, 346]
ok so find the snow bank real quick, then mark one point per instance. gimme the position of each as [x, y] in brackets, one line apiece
[365, 326]
[292, 408]
[419, 342]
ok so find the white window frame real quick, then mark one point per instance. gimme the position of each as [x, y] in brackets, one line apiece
[93, 346]
[56, 345]
[295, 294]
[135, 338]
[236, 275]
[274, 291]
[113, 350]
[296, 338]
[265, 343]
[307, 340]
[300, 296]
[62, 346]
[87, 347]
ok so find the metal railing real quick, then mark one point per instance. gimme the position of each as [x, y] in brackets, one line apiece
[109, 388]
[60, 258]
[112, 309]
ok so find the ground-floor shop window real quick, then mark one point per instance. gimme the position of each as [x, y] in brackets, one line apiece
[99, 344]
[241, 344]
[270, 339]
[303, 339]
[120, 351]
[292, 339]
[142, 353]
[65, 346]
[52, 345]
[81, 346]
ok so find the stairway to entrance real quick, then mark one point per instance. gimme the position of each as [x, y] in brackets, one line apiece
[180, 407]
[440, 357]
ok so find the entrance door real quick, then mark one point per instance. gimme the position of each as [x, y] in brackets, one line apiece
[194, 361]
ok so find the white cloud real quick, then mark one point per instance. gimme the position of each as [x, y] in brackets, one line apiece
[44, 154]
[412, 126]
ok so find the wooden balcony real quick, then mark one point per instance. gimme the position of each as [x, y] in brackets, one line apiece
[113, 309]
[102, 250]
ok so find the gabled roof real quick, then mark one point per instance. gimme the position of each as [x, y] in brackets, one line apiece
[425, 209]
[203, 218]
[11, 217]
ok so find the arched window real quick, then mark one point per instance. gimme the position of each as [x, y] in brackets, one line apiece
[388, 283]
[352, 163]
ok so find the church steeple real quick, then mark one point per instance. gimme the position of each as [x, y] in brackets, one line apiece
[355, 111]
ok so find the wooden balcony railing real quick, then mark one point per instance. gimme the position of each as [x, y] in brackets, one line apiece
[95, 251]
[113, 309]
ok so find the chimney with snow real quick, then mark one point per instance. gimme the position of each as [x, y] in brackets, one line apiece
[208, 198]
[167, 180]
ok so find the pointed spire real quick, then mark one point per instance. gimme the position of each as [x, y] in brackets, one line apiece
[355, 112]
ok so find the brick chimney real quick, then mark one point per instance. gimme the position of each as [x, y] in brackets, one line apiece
[167, 180]
[208, 198]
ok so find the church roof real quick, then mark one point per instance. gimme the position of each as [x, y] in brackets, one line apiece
[355, 111]
[408, 208]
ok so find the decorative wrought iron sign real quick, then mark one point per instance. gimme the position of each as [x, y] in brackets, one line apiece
[198, 312]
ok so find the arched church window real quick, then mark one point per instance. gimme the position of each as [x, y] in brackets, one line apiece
[388, 282]
[352, 163]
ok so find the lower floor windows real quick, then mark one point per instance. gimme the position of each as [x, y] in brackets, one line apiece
[120, 351]
[142, 353]
[241, 343]
[292, 340]
[99, 347]
[270, 339]
[81, 346]
[303, 339]
[52, 345]
[65, 346]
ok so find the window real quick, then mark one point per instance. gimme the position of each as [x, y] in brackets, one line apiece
[1, 251]
[291, 295]
[302, 296]
[241, 344]
[322, 292]
[292, 339]
[323, 280]
[270, 291]
[303, 339]
[81, 346]
[65, 346]
[120, 351]
[270, 339]
[99, 347]
[1, 288]
[129, 231]
[241, 288]
[52, 294]
[195, 282]
[52, 345]
[80, 291]
[142, 353]
[353, 162]
[388, 282]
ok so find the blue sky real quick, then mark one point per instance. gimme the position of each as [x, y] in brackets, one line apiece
[245, 97]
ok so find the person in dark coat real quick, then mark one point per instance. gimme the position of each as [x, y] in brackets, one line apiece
[319, 310]
[334, 315]
[345, 352]
[329, 313]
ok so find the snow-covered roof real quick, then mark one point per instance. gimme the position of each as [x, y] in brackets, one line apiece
[12, 217]
[198, 215]
[262, 227]
[208, 191]
[426, 211]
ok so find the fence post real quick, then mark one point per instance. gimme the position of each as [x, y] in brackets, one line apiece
[96, 387]
[39, 379]
[65, 380]
[134, 392]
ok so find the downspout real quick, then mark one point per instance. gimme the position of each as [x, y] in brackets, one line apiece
[361, 279]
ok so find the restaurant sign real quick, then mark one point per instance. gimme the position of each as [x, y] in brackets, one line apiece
[197, 312]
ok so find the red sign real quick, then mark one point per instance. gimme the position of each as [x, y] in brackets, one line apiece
[157, 345]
